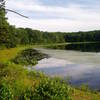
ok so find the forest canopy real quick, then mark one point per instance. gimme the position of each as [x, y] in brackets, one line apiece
[10, 36]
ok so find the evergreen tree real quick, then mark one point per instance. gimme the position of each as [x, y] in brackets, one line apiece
[4, 27]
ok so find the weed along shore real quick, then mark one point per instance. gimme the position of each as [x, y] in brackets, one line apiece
[49, 50]
[29, 57]
[18, 83]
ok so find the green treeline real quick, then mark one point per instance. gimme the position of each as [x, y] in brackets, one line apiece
[10, 36]
[91, 36]
[22, 36]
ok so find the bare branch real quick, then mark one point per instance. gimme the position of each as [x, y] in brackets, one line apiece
[16, 13]
[2, 6]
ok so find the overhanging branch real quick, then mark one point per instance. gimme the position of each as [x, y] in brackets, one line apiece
[2, 6]
[16, 13]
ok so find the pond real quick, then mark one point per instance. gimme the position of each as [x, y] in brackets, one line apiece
[78, 62]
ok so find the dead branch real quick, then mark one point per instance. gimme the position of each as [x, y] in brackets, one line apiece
[16, 13]
[2, 6]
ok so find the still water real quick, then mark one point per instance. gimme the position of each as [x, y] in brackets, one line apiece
[81, 66]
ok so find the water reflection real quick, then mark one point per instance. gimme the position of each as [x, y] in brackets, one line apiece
[83, 47]
[82, 67]
[77, 73]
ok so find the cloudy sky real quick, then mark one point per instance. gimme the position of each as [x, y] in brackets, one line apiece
[56, 15]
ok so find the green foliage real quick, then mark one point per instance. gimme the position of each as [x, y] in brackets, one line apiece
[82, 36]
[84, 87]
[80, 46]
[14, 80]
[7, 39]
[5, 92]
[48, 89]
[4, 28]
[34, 36]
[11, 36]
[29, 57]
[18, 83]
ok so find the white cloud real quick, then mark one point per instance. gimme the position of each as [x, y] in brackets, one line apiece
[54, 24]
[70, 18]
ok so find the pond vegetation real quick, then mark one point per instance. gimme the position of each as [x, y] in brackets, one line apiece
[17, 83]
[29, 57]
[82, 46]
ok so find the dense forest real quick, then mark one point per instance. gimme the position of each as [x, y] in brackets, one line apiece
[82, 36]
[10, 36]
[21, 36]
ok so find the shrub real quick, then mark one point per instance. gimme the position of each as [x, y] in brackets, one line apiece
[29, 57]
[48, 89]
[5, 92]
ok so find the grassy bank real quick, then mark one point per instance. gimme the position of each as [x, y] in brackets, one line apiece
[17, 83]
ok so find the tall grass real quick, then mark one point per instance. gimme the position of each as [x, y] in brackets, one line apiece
[17, 83]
